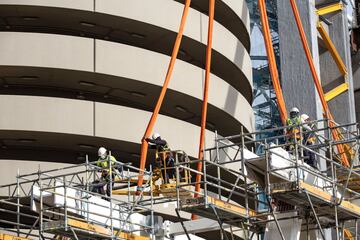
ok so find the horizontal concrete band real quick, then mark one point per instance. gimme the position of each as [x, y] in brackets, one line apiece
[89, 119]
[232, 14]
[141, 68]
[138, 25]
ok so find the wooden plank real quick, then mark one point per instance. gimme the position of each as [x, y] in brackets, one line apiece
[230, 207]
[11, 237]
[102, 230]
[89, 227]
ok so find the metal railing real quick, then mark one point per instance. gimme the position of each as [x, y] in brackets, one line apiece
[44, 201]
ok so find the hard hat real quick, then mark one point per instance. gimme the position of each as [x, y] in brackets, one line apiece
[102, 152]
[304, 117]
[294, 110]
[155, 136]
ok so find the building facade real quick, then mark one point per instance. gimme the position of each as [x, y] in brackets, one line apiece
[76, 75]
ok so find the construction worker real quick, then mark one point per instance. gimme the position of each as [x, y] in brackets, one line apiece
[163, 157]
[308, 140]
[293, 130]
[104, 163]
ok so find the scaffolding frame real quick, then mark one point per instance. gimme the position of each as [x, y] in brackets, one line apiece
[217, 198]
[78, 219]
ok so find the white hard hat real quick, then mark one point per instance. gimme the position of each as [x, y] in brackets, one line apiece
[304, 117]
[155, 136]
[294, 110]
[102, 152]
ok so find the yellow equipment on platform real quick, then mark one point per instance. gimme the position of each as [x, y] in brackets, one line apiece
[11, 237]
[166, 174]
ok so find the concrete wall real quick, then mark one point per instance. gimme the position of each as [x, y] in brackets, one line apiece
[343, 106]
[296, 78]
[77, 76]
[297, 81]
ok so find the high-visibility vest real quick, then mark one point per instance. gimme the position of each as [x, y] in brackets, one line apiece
[310, 137]
[161, 149]
[104, 163]
[293, 121]
[293, 126]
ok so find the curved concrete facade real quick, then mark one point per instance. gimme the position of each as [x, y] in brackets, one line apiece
[75, 75]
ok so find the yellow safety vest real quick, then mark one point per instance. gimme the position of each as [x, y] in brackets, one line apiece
[104, 163]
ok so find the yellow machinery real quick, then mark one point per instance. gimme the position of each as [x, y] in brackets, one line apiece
[164, 171]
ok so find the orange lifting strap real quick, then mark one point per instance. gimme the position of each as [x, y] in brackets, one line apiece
[149, 129]
[319, 89]
[272, 62]
[205, 97]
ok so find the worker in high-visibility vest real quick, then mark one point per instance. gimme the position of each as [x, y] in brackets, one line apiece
[308, 140]
[104, 163]
[163, 157]
[293, 129]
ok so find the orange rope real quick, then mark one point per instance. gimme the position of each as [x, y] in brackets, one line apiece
[272, 62]
[205, 96]
[319, 89]
[149, 129]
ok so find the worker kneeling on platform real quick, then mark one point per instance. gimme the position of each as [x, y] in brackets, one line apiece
[104, 163]
[309, 140]
[164, 160]
[293, 128]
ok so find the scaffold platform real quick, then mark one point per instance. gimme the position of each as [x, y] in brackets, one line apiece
[84, 229]
[216, 209]
[304, 194]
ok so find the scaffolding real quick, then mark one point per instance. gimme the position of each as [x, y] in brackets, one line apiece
[63, 204]
[251, 182]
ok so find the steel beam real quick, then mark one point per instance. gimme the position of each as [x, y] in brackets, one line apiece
[330, 8]
[330, 46]
[336, 91]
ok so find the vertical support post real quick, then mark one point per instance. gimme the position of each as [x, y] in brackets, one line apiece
[65, 204]
[18, 202]
[356, 229]
[343, 230]
[333, 178]
[205, 182]
[110, 194]
[144, 143]
[128, 184]
[152, 204]
[267, 178]
[41, 227]
[177, 172]
[307, 228]
[218, 161]
[245, 179]
[87, 184]
[206, 93]
[297, 163]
